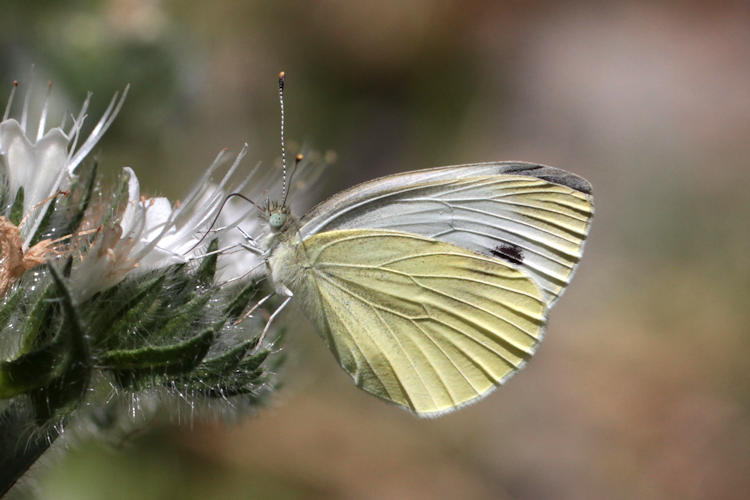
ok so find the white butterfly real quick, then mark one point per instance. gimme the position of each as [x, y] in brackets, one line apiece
[432, 287]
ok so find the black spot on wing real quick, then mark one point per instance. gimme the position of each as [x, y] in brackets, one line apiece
[508, 251]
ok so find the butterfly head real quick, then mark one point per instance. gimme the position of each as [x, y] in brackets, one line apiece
[278, 217]
[277, 221]
[282, 226]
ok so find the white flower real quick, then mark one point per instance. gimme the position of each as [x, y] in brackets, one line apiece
[236, 262]
[41, 160]
[152, 233]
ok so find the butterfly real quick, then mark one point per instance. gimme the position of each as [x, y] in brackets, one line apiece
[433, 287]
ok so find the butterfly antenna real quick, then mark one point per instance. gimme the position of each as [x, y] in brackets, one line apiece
[297, 160]
[282, 81]
[221, 207]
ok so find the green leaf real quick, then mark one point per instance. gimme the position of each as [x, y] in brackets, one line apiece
[206, 271]
[10, 305]
[83, 203]
[220, 365]
[16, 210]
[66, 389]
[121, 323]
[253, 362]
[120, 194]
[44, 225]
[4, 188]
[29, 371]
[243, 382]
[78, 342]
[61, 395]
[38, 327]
[181, 319]
[62, 350]
[244, 378]
[238, 305]
[175, 358]
[179, 280]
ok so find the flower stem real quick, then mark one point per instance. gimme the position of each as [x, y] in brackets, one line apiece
[21, 444]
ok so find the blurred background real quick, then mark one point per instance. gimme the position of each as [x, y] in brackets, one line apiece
[641, 389]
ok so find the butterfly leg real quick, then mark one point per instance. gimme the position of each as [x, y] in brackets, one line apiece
[253, 249]
[249, 238]
[252, 309]
[218, 251]
[242, 276]
[288, 293]
[251, 244]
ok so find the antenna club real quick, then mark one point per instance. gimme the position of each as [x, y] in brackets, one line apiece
[299, 157]
[15, 83]
[282, 80]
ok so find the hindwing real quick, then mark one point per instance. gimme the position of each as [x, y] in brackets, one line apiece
[425, 324]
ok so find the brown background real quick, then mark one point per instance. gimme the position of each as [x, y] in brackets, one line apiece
[641, 389]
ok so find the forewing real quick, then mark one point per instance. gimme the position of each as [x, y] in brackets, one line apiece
[534, 217]
[422, 323]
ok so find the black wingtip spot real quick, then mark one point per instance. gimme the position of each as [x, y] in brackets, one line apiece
[508, 251]
[551, 174]
[570, 180]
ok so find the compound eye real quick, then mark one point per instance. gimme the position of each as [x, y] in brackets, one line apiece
[277, 220]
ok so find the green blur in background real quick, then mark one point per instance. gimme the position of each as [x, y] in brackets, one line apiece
[641, 388]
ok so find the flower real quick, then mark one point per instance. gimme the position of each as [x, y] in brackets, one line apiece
[167, 336]
[34, 169]
[153, 233]
[42, 161]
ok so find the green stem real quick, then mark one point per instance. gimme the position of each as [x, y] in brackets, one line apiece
[21, 444]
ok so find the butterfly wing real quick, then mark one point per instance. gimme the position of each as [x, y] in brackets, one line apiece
[422, 323]
[532, 216]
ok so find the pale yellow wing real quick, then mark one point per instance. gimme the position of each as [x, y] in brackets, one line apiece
[425, 324]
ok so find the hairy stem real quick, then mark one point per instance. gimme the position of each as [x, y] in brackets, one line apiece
[21, 444]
